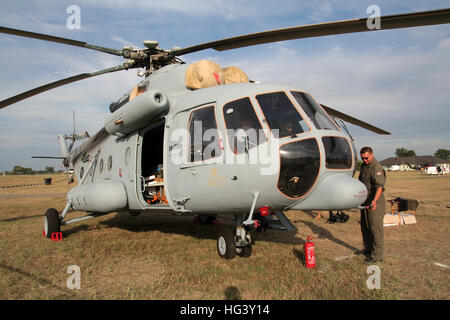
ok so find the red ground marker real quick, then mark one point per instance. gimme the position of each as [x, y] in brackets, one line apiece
[57, 236]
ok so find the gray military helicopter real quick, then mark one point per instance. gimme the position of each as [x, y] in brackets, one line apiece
[248, 151]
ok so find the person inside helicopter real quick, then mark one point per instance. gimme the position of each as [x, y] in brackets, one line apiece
[281, 114]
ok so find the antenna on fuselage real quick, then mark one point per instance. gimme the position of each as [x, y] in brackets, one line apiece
[74, 136]
[73, 117]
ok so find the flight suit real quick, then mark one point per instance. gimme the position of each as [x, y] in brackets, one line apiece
[373, 177]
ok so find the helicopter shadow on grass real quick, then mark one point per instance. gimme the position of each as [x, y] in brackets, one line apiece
[67, 232]
[13, 219]
[322, 234]
[310, 213]
[182, 225]
[325, 234]
[187, 226]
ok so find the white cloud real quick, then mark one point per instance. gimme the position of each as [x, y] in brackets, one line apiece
[320, 10]
[125, 43]
[444, 43]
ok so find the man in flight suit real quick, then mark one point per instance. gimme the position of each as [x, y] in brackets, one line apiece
[374, 178]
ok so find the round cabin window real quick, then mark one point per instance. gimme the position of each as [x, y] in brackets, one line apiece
[109, 163]
[127, 156]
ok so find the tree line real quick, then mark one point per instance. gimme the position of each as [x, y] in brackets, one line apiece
[440, 153]
[18, 170]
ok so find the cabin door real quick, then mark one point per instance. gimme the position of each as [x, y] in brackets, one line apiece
[150, 167]
[195, 157]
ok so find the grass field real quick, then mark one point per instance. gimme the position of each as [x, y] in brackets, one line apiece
[170, 257]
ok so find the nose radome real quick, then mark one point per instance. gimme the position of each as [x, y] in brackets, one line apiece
[335, 192]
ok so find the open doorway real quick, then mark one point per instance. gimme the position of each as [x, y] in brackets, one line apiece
[152, 170]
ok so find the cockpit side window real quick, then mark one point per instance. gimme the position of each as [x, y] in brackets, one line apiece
[204, 139]
[281, 114]
[320, 119]
[242, 124]
[338, 153]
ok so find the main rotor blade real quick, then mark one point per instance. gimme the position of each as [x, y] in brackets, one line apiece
[57, 84]
[70, 42]
[353, 121]
[47, 157]
[406, 20]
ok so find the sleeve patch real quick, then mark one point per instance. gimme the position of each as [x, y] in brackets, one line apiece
[379, 173]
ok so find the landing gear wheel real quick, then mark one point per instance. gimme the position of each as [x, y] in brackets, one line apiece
[51, 222]
[244, 252]
[226, 244]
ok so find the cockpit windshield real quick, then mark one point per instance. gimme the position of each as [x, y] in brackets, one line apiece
[241, 121]
[320, 119]
[281, 114]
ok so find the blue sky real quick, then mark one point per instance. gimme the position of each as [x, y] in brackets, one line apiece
[395, 79]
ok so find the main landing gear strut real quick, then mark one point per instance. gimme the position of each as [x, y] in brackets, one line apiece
[53, 220]
[231, 243]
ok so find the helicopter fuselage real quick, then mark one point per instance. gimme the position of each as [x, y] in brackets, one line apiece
[218, 150]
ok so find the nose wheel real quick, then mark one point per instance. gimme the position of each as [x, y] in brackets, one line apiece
[51, 223]
[230, 244]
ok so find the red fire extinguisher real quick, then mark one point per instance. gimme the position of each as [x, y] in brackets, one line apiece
[310, 257]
